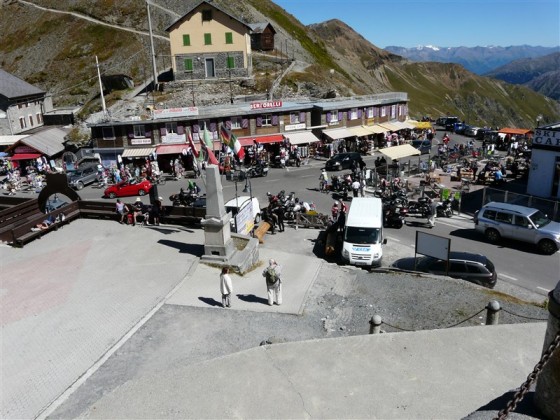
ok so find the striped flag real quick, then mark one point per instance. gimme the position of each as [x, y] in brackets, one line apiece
[191, 143]
[229, 138]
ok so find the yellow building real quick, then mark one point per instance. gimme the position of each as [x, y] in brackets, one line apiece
[209, 43]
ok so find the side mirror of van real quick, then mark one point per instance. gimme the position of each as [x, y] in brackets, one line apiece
[384, 241]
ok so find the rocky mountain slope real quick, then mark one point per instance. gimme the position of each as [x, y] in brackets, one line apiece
[53, 44]
[541, 74]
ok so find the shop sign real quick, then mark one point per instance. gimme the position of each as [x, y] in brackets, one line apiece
[140, 141]
[176, 112]
[266, 105]
[24, 149]
[547, 138]
[173, 138]
[292, 127]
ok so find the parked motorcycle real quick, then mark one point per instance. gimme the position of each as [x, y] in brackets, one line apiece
[183, 198]
[444, 209]
[257, 170]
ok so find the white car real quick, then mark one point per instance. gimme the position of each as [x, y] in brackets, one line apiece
[237, 206]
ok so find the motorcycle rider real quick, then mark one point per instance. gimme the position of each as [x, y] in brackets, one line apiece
[323, 181]
[335, 210]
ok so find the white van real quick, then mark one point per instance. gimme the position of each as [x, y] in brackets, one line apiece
[245, 212]
[363, 232]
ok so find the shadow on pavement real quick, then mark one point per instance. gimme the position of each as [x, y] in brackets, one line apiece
[253, 299]
[525, 406]
[210, 301]
[194, 249]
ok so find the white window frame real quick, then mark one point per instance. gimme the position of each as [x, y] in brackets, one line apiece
[139, 131]
[383, 113]
[30, 120]
[171, 127]
[354, 114]
[39, 118]
[393, 111]
[104, 133]
[370, 112]
[22, 123]
[266, 120]
[236, 123]
[294, 118]
[334, 116]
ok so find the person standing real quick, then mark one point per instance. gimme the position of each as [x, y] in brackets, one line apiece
[432, 211]
[122, 210]
[226, 287]
[273, 282]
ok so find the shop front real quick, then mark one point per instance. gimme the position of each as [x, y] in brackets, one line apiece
[544, 174]
[339, 140]
[305, 141]
[264, 147]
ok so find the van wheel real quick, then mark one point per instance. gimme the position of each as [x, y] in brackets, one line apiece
[546, 246]
[492, 235]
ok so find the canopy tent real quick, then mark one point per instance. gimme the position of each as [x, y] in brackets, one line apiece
[377, 129]
[390, 126]
[361, 131]
[171, 149]
[403, 125]
[398, 152]
[339, 133]
[515, 131]
[301, 137]
[138, 152]
[262, 139]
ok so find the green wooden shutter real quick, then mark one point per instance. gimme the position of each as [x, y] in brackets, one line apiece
[231, 62]
[207, 39]
[229, 38]
[186, 40]
[188, 64]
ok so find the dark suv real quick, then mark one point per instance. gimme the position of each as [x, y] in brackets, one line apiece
[425, 146]
[82, 176]
[342, 161]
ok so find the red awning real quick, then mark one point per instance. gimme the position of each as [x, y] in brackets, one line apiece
[171, 149]
[25, 156]
[270, 138]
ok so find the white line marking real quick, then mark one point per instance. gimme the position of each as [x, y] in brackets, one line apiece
[272, 180]
[507, 277]
[393, 239]
[306, 176]
[542, 288]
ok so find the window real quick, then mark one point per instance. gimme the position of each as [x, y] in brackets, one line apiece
[235, 123]
[393, 111]
[22, 122]
[19, 106]
[266, 119]
[108, 133]
[206, 15]
[457, 267]
[203, 124]
[521, 221]
[354, 114]
[230, 62]
[39, 118]
[504, 217]
[490, 214]
[383, 113]
[370, 112]
[186, 40]
[294, 118]
[207, 39]
[171, 127]
[31, 120]
[139, 131]
[229, 38]
[188, 63]
[334, 116]
[475, 268]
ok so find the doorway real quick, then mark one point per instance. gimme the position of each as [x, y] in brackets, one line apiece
[210, 68]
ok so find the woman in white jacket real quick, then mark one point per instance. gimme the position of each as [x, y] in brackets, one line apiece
[226, 287]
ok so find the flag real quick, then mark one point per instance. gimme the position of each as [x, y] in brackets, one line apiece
[191, 143]
[208, 145]
[229, 138]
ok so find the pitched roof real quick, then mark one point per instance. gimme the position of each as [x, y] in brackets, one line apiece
[48, 142]
[197, 4]
[258, 28]
[515, 131]
[13, 87]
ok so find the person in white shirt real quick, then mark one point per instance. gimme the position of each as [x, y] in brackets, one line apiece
[226, 287]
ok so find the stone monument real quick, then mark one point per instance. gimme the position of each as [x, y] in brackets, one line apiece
[218, 244]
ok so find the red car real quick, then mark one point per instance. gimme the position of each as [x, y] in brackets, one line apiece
[128, 188]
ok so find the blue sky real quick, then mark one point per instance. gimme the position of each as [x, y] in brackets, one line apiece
[443, 23]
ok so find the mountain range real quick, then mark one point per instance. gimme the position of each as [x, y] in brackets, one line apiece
[479, 60]
[53, 44]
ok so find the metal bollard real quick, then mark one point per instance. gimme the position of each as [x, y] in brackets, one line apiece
[492, 312]
[547, 391]
[375, 324]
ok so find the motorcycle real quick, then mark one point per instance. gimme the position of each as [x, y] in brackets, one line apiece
[257, 170]
[444, 209]
[420, 208]
[183, 198]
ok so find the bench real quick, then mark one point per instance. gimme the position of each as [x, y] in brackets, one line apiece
[23, 233]
[261, 231]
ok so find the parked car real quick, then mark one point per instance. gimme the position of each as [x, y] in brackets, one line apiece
[460, 128]
[450, 123]
[471, 131]
[475, 268]
[128, 188]
[82, 176]
[425, 146]
[342, 161]
[526, 224]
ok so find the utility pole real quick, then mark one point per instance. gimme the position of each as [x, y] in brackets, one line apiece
[154, 69]
[103, 106]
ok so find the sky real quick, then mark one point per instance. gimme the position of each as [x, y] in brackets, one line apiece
[441, 23]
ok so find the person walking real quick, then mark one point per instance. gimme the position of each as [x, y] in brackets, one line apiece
[226, 287]
[122, 210]
[273, 282]
[432, 211]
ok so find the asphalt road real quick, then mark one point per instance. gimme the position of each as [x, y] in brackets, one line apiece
[516, 263]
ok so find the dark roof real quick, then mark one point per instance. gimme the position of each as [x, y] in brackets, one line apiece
[258, 28]
[13, 87]
[196, 5]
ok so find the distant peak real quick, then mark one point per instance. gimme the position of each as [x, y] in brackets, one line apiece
[429, 47]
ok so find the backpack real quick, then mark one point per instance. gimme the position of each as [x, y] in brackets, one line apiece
[271, 276]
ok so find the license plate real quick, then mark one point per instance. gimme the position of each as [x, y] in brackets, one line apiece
[361, 263]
